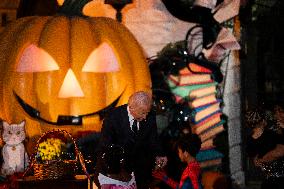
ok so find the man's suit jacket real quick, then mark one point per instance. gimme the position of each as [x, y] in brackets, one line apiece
[141, 148]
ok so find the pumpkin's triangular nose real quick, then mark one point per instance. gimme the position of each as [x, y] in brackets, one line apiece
[70, 86]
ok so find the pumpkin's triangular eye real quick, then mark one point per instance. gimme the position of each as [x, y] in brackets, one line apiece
[35, 59]
[60, 2]
[102, 59]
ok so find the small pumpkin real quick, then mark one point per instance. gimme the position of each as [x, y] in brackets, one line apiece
[62, 71]
[215, 180]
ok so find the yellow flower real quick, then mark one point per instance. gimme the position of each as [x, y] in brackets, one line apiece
[51, 148]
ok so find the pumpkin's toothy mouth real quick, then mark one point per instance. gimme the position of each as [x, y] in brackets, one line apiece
[63, 119]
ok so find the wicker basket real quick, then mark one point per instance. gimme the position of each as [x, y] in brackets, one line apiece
[56, 169]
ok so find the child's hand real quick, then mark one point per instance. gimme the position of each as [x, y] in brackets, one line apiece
[161, 175]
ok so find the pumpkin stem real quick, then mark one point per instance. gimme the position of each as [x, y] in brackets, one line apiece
[73, 7]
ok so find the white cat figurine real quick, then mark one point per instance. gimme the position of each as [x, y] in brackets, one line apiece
[14, 153]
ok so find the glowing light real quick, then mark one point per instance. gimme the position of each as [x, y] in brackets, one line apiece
[70, 86]
[60, 2]
[35, 59]
[102, 59]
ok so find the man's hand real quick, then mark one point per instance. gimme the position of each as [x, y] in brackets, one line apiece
[161, 162]
[270, 156]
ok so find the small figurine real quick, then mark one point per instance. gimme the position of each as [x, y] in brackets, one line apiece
[14, 153]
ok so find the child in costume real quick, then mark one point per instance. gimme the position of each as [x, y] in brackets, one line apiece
[116, 176]
[188, 147]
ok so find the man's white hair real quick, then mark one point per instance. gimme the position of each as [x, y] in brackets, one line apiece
[140, 98]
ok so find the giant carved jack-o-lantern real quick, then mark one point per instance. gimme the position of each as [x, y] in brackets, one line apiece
[62, 71]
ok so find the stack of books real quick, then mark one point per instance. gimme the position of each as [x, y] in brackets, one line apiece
[196, 86]
[209, 158]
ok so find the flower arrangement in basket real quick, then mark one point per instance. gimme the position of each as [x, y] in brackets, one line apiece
[52, 149]
[51, 160]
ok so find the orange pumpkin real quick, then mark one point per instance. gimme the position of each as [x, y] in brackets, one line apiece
[214, 180]
[62, 71]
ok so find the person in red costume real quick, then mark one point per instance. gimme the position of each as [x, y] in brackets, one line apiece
[188, 146]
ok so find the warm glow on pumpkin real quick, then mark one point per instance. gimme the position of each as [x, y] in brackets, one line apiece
[70, 86]
[69, 43]
[35, 59]
[102, 59]
[60, 2]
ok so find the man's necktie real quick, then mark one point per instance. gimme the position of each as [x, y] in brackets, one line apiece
[134, 127]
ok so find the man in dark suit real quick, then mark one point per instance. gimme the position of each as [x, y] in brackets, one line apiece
[133, 127]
